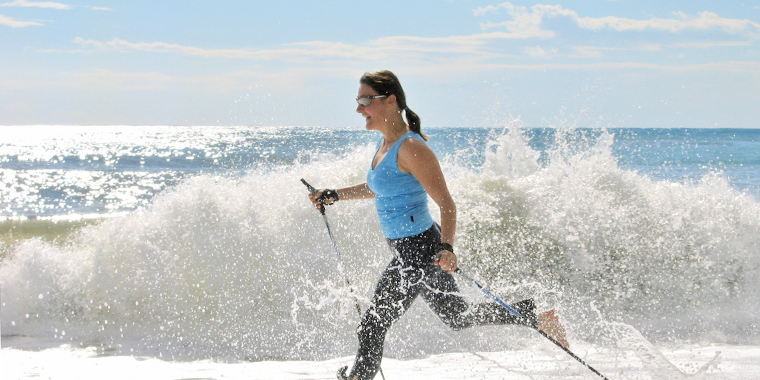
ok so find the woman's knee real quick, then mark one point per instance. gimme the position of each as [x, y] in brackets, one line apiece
[455, 317]
[373, 326]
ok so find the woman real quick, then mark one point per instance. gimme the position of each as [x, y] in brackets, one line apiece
[403, 173]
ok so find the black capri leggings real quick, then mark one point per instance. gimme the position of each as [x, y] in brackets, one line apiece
[411, 273]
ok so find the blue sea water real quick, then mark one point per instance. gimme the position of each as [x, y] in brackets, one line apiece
[200, 242]
[50, 171]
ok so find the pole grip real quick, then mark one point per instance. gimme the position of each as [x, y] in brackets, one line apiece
[310, 187]
[313, 190]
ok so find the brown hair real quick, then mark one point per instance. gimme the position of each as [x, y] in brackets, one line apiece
[386, 83]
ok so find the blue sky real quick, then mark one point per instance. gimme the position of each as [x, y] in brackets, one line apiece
[593, 63]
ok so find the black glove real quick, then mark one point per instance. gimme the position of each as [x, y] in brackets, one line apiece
[328, 197]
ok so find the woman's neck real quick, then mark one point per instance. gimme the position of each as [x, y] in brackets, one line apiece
[394, 129]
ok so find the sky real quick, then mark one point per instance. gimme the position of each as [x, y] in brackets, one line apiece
[463, 63]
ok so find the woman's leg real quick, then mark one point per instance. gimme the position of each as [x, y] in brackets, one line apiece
[397, 288]
[442, 296]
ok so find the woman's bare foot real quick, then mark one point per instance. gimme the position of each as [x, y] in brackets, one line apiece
[549, 323]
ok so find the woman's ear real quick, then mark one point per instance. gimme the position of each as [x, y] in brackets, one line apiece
[391, 99]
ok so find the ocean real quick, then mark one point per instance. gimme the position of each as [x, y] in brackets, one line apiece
[197, 247]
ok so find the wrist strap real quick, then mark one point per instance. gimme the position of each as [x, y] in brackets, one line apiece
[445, 247]
[328, 194]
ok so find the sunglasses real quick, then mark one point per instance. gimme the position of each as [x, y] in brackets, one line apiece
[366, 100]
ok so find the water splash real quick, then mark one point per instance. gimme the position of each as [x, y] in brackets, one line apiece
[242, 268]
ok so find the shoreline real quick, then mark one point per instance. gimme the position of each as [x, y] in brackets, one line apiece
[734, 362]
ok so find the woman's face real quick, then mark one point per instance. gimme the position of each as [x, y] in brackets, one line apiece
[376, 112]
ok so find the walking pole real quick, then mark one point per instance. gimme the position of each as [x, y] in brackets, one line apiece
[517, 314]
[341, 265]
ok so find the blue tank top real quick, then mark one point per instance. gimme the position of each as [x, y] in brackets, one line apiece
[400, 199]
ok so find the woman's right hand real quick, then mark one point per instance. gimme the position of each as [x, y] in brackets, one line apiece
[314, 197]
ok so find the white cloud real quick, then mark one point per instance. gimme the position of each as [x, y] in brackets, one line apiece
[705, 21]
[539, 52]
[584, 51]
[712, 44]
[528, 22]
[587, 51]
[385, 48]
[43, 4]
[119, 44]
[52, 51]
[525, 24]
[16, 23]
[99, 8]
[297, 52]
[730, 67]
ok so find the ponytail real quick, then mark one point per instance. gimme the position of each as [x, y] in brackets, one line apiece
[414, 123]
[386, 83]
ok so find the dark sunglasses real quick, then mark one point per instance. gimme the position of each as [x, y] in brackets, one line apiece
[366, 100]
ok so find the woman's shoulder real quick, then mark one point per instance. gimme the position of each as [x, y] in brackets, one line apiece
[414, 151]
[412, 135]
[414, 142]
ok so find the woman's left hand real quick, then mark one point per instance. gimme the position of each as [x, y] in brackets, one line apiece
[447, 260]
